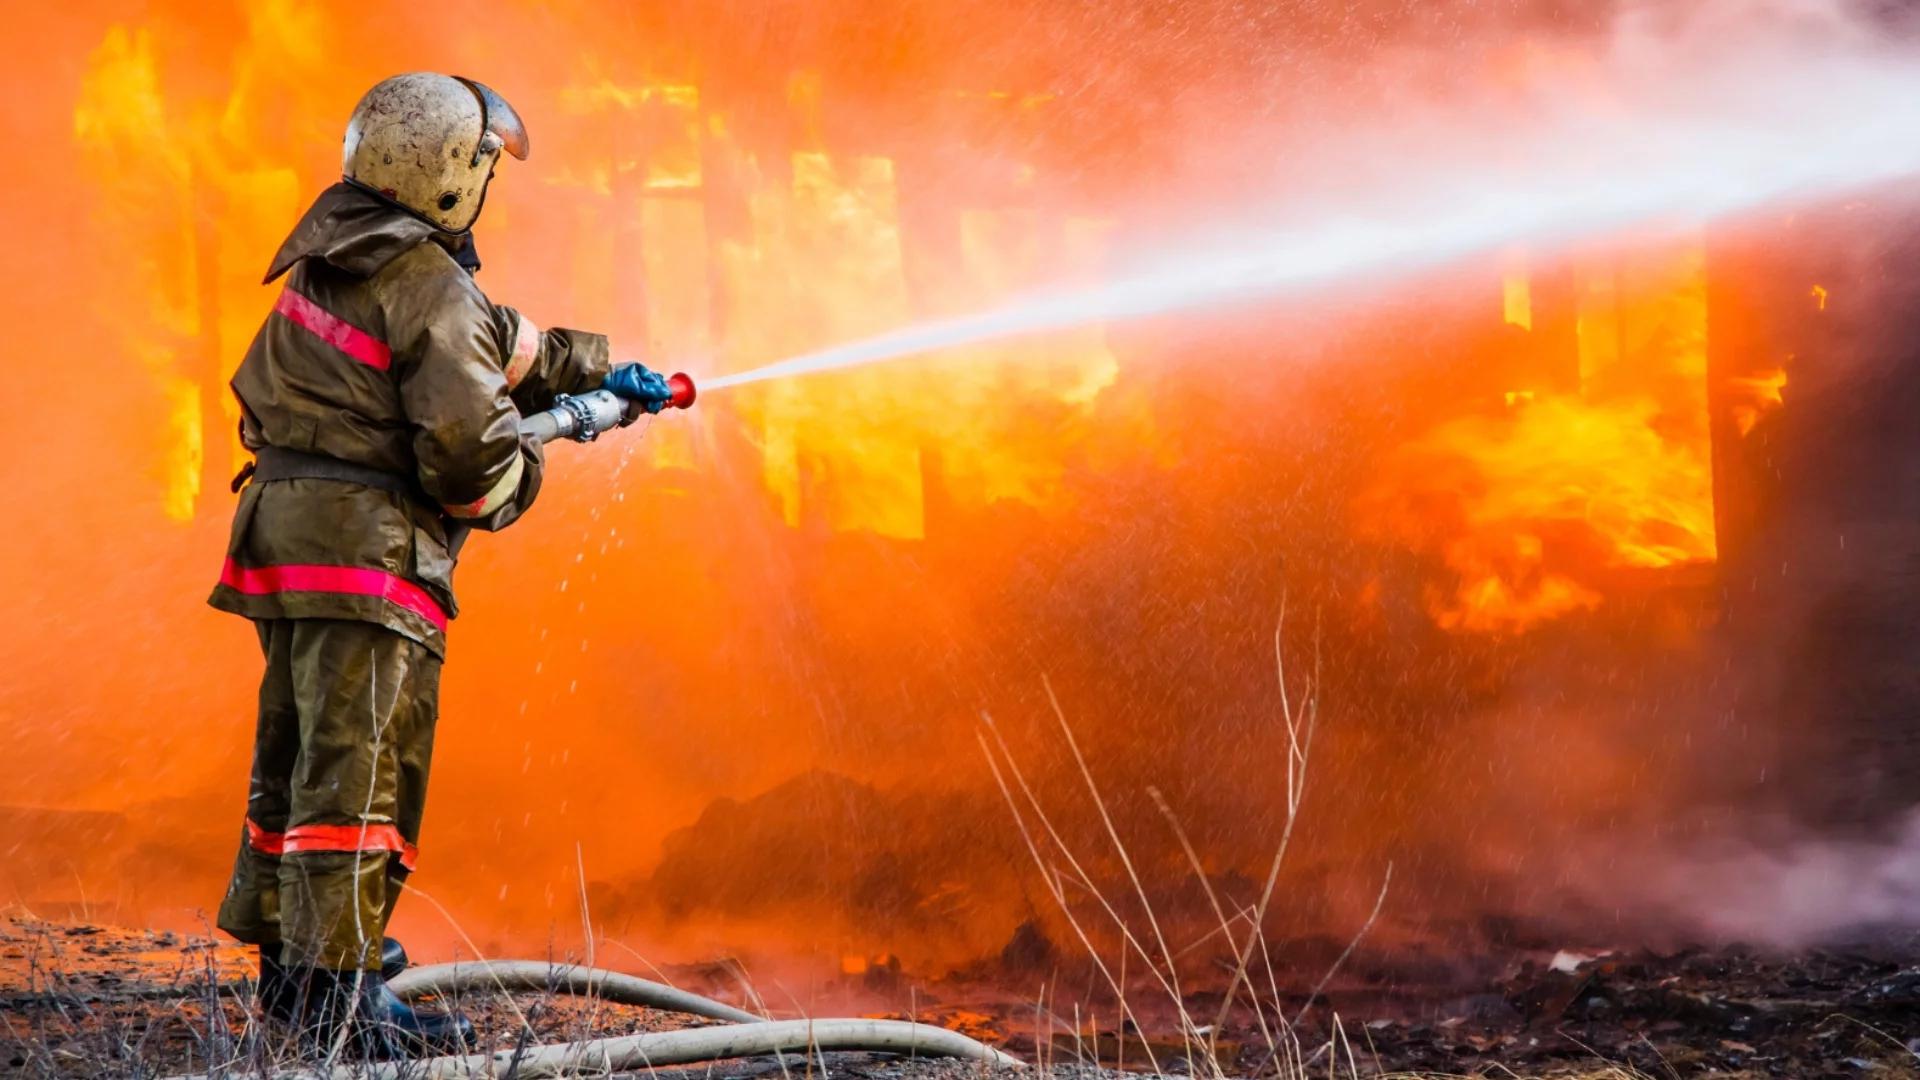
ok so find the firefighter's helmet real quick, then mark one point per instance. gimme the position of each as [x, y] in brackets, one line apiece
[429, 142]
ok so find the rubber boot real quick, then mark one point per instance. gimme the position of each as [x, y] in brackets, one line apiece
[378, 1024]
[393, 958]
[276, 992]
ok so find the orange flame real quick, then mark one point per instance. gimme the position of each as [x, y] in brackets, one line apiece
[1530, 506]
[1755, 397]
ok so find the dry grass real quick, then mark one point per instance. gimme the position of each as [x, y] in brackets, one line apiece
[88, 1002]
[1289, 1052]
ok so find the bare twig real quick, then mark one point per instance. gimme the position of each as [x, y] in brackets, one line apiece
[1299, 753]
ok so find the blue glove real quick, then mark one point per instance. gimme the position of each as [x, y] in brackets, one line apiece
[634, 382]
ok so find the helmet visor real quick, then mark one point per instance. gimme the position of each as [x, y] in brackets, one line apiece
[498, 119]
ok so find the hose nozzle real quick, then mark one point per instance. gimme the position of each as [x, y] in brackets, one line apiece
[683, 390]
[583, 417]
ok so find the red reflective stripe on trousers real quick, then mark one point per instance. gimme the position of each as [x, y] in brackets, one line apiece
[334, 330]
[332, 838]
[267, 843]
[349, 838]
[354, 581]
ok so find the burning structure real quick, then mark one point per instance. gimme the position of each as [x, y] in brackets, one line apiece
[1589, 542]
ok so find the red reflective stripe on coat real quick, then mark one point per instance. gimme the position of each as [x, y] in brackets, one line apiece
[334, 330]
[332, 838]
[266, 580]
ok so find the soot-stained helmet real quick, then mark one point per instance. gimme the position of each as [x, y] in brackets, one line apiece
[429, 142]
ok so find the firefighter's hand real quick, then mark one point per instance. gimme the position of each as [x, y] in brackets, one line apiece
[645, 388]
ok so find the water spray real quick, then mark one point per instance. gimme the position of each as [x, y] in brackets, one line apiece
[1765, 129]
[1758, 128]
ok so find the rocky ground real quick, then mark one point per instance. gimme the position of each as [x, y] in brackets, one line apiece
[87, 1001]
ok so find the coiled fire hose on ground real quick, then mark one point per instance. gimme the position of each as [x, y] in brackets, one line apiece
[747, 1036]
[636, 1053]
[443, 980]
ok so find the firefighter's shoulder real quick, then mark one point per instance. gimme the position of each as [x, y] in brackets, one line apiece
[424, 292]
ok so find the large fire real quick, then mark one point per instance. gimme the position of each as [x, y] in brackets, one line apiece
[731, 670]
[1607, 466]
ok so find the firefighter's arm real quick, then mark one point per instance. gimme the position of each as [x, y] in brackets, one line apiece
[540, 364]
[466, 430]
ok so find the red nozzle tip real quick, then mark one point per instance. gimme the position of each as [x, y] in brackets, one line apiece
[683, 390]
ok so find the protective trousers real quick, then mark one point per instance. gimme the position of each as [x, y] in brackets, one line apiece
[340, 760]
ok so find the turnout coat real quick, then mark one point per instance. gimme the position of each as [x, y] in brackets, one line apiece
[382, 353]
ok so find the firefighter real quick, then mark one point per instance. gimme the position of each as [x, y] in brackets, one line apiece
[381, 399]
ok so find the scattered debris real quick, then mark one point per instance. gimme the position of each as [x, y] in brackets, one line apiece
[1569, 962]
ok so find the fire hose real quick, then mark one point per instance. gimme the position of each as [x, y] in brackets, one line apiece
[584, 417]
[442, 980]
[633, 1053]
[746, 1036]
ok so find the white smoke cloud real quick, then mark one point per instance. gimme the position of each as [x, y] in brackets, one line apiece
[1794, 890]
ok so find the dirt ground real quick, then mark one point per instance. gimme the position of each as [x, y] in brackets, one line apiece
[92, 1001]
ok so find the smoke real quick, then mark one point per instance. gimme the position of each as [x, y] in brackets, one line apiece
[1778, 884]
